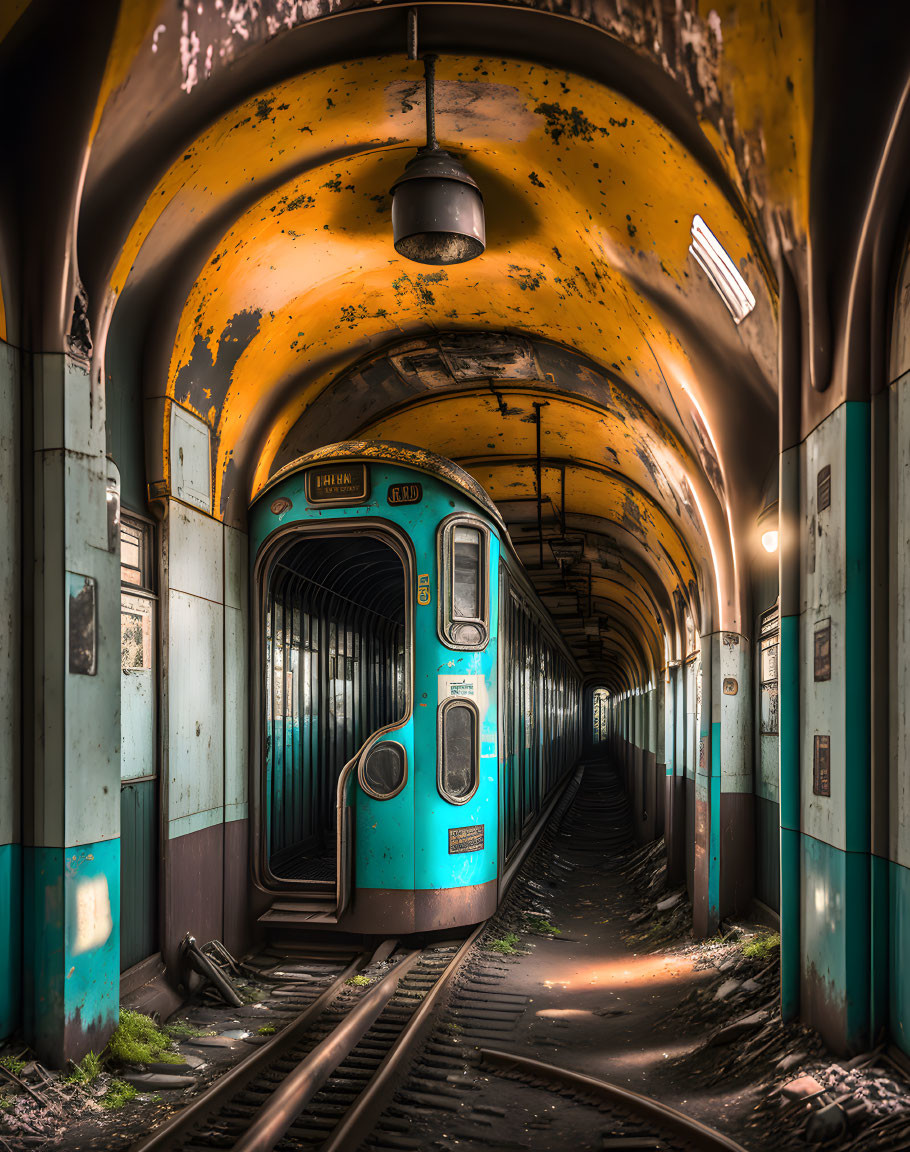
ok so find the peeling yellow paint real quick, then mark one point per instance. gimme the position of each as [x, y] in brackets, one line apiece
[766, 73]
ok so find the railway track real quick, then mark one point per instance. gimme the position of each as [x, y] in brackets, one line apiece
[327, 1082]
[317, 1083]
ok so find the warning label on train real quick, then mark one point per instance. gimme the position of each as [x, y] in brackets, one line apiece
[466, 839]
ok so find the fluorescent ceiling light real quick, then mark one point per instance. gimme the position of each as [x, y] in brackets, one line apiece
[721, 270]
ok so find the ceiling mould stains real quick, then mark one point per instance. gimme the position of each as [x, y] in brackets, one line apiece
[437, 208]
[721, 270]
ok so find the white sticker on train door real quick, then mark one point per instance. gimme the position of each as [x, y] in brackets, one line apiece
[472, 687]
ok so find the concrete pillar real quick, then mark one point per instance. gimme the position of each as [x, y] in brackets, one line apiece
[71, 855]
[706, 868]
[834, 710]
[675, 804]
[731, 732]
[10, 699]
[723, 783]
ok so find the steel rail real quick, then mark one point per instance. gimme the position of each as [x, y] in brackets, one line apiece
[161, 1139]
[677, 1122]
[368, 1107]
[361, 1118]
[286, 1103]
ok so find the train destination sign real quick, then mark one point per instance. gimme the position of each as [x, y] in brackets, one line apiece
[405, 493]
[466, 839]
[337, 484]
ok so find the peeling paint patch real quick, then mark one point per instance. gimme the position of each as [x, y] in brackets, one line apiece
[570, 122]
[202, 383]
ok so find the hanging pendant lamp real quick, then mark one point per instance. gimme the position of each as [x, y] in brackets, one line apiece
[437, 208]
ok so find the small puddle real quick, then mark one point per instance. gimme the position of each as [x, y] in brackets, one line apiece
[563, 1013]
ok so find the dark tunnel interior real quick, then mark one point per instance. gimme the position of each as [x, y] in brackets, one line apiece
[334, 673]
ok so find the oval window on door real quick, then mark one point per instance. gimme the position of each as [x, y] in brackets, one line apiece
[459, 723]
[384, 770]
[464, 557]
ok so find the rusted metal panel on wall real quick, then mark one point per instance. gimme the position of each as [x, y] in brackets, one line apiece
[732, 706]
[236, 569]
[195, 713]
[138, 871]
[236, 713]
[78, 742]
[823, 707]
[195, 553]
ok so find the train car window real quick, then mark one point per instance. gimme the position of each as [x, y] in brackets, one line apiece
[458, 751]
[385, 769]
[464, 597]
[466, 573]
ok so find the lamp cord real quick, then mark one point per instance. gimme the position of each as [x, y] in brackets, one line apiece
[429, 67]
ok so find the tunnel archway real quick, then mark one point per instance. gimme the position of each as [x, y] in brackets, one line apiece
[584, 370]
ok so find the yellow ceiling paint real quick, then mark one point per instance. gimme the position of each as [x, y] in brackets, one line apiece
[766, 73]
[10, 11]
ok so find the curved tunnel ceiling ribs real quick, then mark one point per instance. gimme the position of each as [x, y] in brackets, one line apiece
[273, 227]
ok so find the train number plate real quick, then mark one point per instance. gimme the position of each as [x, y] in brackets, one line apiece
[405, 493]
[337, 484]
[466, 839]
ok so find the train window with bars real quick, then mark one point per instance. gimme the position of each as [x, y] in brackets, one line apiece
[385, 770]
[459, 752]
[464, 549]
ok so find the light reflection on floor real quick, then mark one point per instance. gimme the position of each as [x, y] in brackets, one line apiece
[625, 971]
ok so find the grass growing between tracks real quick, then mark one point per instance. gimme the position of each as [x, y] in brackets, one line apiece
[542, 927]
[86, 1071]
[762, 947]
[137, 1039]
[117, 1095]
[505, 945]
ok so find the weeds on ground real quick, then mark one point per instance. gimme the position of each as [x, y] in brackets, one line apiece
[86, 1071]
[117, 1095]
[138, 1040]
[267, 1030]
[180, 1030]
[6, 1103]
[12, 1064]
[505, 946]
[762, 947]
[360, 981]
[542, 927]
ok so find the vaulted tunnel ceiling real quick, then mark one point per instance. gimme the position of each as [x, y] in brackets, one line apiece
[235, 242]
[284, 203]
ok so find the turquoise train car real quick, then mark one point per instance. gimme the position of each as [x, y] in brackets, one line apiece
[413, 707]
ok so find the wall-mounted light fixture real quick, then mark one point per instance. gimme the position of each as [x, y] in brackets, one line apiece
[721, 270]
[767, 523]
[437, 208]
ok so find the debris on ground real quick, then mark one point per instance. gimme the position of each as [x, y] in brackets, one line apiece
[807, 1096]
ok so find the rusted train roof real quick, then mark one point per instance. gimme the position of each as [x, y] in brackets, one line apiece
[394, 452]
